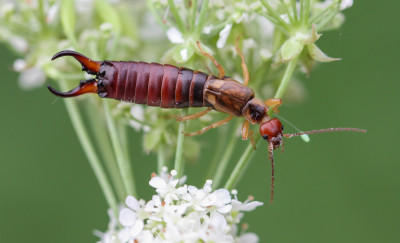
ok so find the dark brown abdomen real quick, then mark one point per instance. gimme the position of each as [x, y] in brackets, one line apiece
[153, 84]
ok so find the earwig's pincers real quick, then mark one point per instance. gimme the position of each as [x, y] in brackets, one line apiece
[88, 86]
[89, 66]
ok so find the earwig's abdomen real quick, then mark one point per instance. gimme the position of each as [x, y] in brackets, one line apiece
[153, 84]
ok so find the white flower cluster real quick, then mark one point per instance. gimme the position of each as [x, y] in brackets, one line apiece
[181, 214]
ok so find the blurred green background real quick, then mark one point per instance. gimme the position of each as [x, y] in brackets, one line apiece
[339, 188]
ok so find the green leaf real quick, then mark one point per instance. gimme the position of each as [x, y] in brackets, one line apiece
[316, 54]
[309, 38]
[291, 49]
[183, 52]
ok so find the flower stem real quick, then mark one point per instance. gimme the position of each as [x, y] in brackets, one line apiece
[274, 15]
[286, 78]
[239, 168]
[225, 158]
[160, 159]
[105, 148]
[123, 164]
[177, 17]
[178, 166]
[89, 150]
[202, 18]
[244, 160]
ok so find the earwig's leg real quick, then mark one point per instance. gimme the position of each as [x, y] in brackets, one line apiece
[246, 76]
[245, 129]
[217, 65]
[195, 115]
[273, 104]
[214, 125]
[246, 133]
[252, 140]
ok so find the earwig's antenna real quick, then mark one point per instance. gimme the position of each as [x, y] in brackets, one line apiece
[289, 135]
[271, 158]
[305, 137]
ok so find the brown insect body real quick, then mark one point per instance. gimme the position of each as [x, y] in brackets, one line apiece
[168, 86]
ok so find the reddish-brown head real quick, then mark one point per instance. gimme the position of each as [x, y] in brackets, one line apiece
[272, 131]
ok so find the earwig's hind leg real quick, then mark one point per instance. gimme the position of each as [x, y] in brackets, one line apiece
[217, 65]
[246, 76]
[214, 125]
[273, 104]
[195, 115]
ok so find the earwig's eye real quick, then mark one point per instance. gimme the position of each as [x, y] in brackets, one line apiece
[283, 127]
[265, 137]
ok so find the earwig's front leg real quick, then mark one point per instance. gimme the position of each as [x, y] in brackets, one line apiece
[214, 125]
[246, 76]
[217, 65]
[246, 133]
[245, 129]
[273, 104]
[194, 116]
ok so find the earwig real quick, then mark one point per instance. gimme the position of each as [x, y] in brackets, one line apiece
[168, 86]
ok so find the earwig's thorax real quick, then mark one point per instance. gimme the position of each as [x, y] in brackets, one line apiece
[227, 95]
[255, 111]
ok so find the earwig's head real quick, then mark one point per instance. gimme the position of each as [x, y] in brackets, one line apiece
[88, 65]
[272, 131]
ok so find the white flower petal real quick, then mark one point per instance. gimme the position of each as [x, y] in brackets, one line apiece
[132, 203]
[346, 4]
[137, 228]
[223, 35]
[248, 238]
[251, 206]
[157, 182]
[127, 217]
[225, 209]
[175, 36]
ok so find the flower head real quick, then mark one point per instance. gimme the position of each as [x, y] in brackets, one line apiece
[182, 213]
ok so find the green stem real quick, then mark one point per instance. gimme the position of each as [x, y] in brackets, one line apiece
[286, 78]
[152, 9]
[225, 159]
[220, 147]
[104, 145]
[123, 164]
[202, 18]
[177, 17]
[306, 12]
[327, 19]
[239, 168]
[274, 15]
[294, 7]
[193, 15]
[160, 159]
[89, 150]
[291, 19]
[178, 166]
